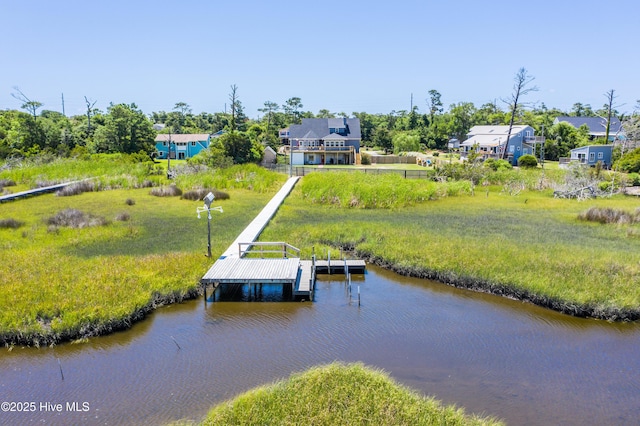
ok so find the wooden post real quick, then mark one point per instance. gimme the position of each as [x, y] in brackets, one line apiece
[329, 262]
[358, 295]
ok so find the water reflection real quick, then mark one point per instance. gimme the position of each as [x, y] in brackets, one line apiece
[502, 357]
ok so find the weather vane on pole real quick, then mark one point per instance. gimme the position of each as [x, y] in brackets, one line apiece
[208, 199]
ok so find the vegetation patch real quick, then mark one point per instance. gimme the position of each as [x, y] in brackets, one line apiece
[77, 188]
[357, 190]
[10, 223]
[123, 217]
[166, 191]
[609, 215]
[199, 194]
[104, 278]
[73, 218]
[528, 246]
[6, 182]
[339, 394]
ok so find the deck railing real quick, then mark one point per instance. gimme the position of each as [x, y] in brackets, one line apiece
[261, 249]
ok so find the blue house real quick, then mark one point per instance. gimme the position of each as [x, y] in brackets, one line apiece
[597, 126]
[591, 154]
[324, 141]
[491, 142]
[181, 146]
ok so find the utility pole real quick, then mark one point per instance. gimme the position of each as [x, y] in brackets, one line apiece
[542, 147]
[411, 109]
[63, 105]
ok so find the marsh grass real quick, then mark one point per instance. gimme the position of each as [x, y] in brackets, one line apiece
[356, 190]
[108, 170]
[74, 218]
[166, 191]
[78, 282]
[249, 176]
[610, 215]
[200, 193]
[123, 217]
[10, 223]
[529, 246]
[338, 394]
[78, 188]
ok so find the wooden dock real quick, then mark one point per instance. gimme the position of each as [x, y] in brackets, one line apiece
[238, 265]
[34, 192]
[349, 266]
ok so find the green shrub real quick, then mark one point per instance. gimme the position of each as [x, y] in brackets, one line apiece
[365, 159]
[496, 165]
[633, 179]
[527, 161]
[435, 154]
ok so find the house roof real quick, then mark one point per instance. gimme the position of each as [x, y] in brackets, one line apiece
[321, 126]
[310, 135]
[491, 135]
[495, 130]
[485, 140]
[589, 147]
[334, 136]
[186, 137]
[597, 125]
[336, 123]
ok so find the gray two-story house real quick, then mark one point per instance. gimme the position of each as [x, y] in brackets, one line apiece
[324, 141]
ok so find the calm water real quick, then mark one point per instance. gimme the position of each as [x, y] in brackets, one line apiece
[490, 355]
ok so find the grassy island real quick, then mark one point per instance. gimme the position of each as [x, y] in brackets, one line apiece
[338, 394]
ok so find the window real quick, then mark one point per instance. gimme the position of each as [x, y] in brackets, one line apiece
[164, 144]
[592, 156]
[600, 155]
[193, 144]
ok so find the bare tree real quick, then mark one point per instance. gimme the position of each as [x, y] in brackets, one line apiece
[608, 111]
[520, 88]
[27, 104]
[90, 106]
[233, 97]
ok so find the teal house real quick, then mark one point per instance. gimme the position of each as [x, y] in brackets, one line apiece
[181, 146]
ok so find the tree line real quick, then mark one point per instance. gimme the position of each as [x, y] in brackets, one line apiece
[124, 128]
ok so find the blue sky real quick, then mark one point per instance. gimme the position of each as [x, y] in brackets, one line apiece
[344, 56]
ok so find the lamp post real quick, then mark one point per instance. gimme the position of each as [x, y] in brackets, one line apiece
[208, 199]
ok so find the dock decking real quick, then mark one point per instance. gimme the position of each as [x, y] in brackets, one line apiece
[296, 276]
